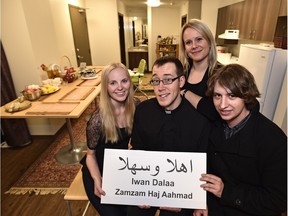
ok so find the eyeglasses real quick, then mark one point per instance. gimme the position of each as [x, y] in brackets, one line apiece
[166, 81]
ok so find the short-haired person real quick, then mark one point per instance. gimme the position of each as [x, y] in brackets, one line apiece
[199, 56]
[247, 161]
[167, 123]
[110, 126]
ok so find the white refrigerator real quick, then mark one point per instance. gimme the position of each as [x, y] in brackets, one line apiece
[268, 66]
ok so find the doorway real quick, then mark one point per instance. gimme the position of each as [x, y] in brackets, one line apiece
[183, 20]
[133, 32]
[122, 38]
[80, 34]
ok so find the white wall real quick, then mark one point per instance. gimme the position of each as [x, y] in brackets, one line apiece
[41, 33]
[29, 39]
[102, 19]
[35, 32]
[128, 32]
[209, 13]
[194, 9]
[165, 22]
[184, 10]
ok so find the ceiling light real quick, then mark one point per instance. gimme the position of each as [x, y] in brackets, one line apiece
[153, 3]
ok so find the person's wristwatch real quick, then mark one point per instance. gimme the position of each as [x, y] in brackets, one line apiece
[184, 92]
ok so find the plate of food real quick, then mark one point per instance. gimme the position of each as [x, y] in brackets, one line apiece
[89, 77]
[17, 105]
[49, 89]
[88, 74]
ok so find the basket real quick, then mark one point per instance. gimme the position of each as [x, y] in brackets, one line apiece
[32, 96]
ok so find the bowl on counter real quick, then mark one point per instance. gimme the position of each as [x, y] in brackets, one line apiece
[31, 95]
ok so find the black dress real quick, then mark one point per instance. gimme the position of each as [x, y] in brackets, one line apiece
[205, 105]
[96, 141]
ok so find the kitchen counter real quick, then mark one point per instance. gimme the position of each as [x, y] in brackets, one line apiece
[68, 102]
[226, 58]
[135, 54]
[50, 122]
[138, 49]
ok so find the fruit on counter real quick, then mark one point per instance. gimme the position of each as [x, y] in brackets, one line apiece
[32, 88]
[69, 77]
[46, 89]
[32, 92]
[69, 69]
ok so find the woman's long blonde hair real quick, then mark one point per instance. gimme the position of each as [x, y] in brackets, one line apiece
[204, 30]
[109, 123]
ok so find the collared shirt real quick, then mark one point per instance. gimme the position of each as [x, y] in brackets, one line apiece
[231, 131]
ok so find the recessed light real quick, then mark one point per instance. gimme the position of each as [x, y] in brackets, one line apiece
[153, 3]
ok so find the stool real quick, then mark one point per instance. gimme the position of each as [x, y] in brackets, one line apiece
[76, 192]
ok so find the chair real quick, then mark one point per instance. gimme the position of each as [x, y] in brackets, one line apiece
[76, 192]
[136, 75]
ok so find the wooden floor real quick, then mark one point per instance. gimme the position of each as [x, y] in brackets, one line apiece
[14, 162]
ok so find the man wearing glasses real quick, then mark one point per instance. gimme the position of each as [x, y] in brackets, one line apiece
[167, 123]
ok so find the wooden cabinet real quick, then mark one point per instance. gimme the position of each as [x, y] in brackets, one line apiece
[167, 50]
[234, 15]
[283, 8]
[280, 38]
[221, 19]
[135, 57]
[248, 15]
[229, 17]
[266, 24]
[259, 18]
[255, 19]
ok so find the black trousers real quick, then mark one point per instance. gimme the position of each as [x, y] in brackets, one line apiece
[135, 211]
[103, 209]
[120, 210]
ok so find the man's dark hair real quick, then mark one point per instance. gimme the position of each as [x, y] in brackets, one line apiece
[166, 59]
[238, 80]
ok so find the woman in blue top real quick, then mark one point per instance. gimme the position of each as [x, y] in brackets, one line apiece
[110, 126]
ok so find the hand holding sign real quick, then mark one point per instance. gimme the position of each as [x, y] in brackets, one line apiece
[167, 179]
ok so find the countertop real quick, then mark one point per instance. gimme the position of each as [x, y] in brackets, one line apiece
[138, 49]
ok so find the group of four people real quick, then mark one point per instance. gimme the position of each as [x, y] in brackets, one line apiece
[199, 106]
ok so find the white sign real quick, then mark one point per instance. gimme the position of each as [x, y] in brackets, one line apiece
[167, 179]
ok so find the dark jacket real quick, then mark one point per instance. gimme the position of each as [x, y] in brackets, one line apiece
[180, 130]
[253, 166]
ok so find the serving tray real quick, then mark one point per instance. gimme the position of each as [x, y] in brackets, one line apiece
[15, 106]
[61, 108]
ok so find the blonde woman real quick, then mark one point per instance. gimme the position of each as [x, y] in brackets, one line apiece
[199, 57]
[110, 126]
